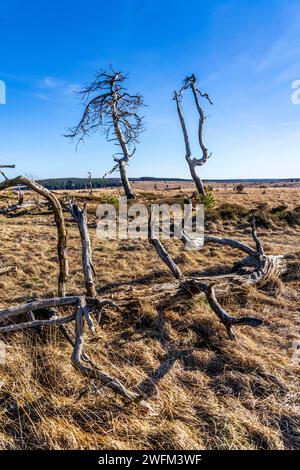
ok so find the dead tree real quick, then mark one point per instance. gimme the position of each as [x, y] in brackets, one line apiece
[190, 83]
[59, 220]
[84, 308]
[192, 286]
[90, 182]
[256, 268]
[80, 217]
[110, 108]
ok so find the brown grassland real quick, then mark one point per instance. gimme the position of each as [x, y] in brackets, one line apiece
[204, 391]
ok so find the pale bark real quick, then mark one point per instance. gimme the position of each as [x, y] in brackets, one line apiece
[190, 82]
[59, 220]
[80, 217]
[84, 307]
[93, 372]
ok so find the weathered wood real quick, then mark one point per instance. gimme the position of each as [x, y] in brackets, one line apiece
[27, 205]
[230, 242]
[161, 251]
[60, 224]
[83, 312]
[93, 372]
[37, 323]
[37, 305]
[80, 217]
[190, 82]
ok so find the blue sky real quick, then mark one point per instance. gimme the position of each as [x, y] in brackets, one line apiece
[246, 54]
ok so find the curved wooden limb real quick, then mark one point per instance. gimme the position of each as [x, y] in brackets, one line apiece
[94, 372]
[37, 305]
[232, 243]
[59, 220]
[227, 320]
[162, 252]
[259, 247]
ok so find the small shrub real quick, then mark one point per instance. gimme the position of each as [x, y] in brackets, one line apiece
[262, 219]
[232, 211]
[239, 188]
[207, 199]
[278, 209]
[292, 218]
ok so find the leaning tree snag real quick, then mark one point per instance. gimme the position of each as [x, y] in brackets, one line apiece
[59, 220]
[193, 286]
[84, 306]
[80, 217]
[190, 83]
[110, 108]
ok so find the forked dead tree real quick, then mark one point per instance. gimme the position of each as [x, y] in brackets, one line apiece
[111, 109]
[191, 83]
[59, 220]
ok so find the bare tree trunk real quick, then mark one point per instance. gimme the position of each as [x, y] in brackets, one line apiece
[190, 82]
[125, 181]
[188, 153]
[60, 225]
[197, 180]
[80, 217]
[90, 182]
[122, 162]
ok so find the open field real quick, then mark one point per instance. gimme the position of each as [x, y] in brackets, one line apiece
[203, 390]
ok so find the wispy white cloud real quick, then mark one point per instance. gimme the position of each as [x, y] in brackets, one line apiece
[284, 53]
[50, 82]
[49, 86]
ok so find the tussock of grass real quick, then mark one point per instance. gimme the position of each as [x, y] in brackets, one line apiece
[204, 391]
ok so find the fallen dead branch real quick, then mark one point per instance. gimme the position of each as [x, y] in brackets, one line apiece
[24, 206]
[256, 268]
[85, 306]
[194, 286]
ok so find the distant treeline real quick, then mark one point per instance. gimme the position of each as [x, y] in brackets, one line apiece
[83, 183]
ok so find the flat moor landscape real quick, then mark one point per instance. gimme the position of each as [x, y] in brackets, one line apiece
[201, 390]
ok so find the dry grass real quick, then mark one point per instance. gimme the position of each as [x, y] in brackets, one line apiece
[204, 391]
